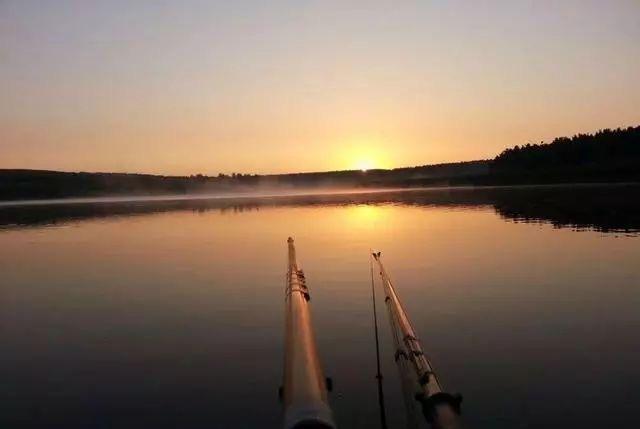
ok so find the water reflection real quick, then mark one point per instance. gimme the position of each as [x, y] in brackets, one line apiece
[170, 314]
[605, 208]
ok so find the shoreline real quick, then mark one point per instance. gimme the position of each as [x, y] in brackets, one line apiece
[108, 199]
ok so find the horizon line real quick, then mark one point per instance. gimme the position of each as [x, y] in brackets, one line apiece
[243, 174]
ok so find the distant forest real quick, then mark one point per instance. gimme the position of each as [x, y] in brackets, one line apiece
[606, 156]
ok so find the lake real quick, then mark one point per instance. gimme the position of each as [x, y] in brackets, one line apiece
[170, 313]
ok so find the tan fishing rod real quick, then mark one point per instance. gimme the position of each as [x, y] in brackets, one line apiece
[304, 391]
[441, 409]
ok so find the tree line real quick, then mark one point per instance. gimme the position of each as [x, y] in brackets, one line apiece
[607, 155]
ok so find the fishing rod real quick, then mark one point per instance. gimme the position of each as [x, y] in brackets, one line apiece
[383, 412]
[403, 363]
[441, 409]
[304, 391]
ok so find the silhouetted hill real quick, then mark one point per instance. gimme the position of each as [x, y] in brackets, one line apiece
[41, 184]
[606, 156]
[35, 184]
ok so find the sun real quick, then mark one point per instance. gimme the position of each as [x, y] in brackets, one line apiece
[362, 153]
[365, 164]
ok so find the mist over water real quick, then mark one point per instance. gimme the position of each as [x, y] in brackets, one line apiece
[169, 313]
[608, 208]
[270, 192]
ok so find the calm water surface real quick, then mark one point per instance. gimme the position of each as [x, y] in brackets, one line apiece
[170, 314]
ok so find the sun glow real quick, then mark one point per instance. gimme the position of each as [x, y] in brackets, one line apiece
[362, 153]
[365, 164]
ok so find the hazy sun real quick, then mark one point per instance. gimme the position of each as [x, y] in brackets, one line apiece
[365, 164]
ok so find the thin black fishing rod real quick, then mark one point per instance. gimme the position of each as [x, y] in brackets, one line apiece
[383, 413]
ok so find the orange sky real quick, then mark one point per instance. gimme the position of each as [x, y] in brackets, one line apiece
[197, 87]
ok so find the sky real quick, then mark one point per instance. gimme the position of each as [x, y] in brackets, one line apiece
[206, 87]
